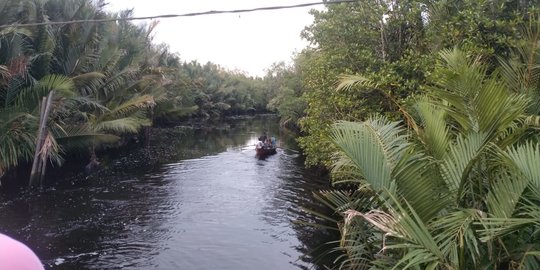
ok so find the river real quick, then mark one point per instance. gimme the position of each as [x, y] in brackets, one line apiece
[197, 198]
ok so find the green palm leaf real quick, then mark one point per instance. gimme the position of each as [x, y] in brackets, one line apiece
[413, 234]
[477, 102]
[461, 158]
[526, 159]
[122, 125]
[31, 97]
[419, 182]
[80, 137]
[374, 146]
[348, 82]
[89, 83]
[17, 138]
[357, 240]
[435, 133]
[455, 234]
[504, 194]
[134, 104]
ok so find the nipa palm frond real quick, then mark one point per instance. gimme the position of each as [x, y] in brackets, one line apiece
[374, 146]
[17, 138]
[80, 137]
[89, 83]
[435, 132]
[137, 103]
[461, 157]
[455, 234]
[122, 125]
[414, 238]
[31, 96]
[348, 82]
[526, 159]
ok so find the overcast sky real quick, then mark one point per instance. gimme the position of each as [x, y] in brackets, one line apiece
[247, 41]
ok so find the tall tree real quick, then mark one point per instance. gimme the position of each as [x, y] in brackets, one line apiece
[381, 40]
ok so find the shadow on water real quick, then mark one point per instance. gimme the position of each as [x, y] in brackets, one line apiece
[195, 199]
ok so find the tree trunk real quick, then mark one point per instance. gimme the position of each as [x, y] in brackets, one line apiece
[43, 167]
[42, 133]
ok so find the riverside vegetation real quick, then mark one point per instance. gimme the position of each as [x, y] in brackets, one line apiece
[78, 88]
[426, 113]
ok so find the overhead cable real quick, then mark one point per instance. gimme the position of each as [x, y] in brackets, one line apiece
[167, 16]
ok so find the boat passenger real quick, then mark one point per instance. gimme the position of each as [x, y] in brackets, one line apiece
[259, 145]
[273, 141]
[263, 137]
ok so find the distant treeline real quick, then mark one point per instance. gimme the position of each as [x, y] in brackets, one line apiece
[77, 87]
[395, 46]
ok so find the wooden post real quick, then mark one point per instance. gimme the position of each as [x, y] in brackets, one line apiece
[44, 116]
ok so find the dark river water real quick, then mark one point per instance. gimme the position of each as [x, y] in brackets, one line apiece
[194, 199]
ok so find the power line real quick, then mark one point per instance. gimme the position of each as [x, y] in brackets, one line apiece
[167, 16]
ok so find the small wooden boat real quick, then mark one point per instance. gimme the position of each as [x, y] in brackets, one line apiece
[266, 151]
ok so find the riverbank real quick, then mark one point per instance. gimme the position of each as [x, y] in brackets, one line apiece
[148, 148]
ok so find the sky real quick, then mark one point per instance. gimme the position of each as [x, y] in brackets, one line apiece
[250, 42]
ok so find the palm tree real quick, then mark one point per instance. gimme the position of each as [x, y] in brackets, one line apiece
[20, 49]
[461, 190]
[91, 75]
[23, 112]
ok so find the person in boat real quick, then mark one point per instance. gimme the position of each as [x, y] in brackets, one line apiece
[260, 144]
[268, 143]
[263, 137]
[273, 141]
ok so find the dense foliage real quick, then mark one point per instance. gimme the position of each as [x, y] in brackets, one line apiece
[85, 85]
[284, 83]
[458, 188]
[434, 150]
[395, 45]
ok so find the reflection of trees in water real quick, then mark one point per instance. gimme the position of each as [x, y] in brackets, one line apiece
[299, 189]
[315, 240]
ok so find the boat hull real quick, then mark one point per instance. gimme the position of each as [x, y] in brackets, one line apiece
[265, 151]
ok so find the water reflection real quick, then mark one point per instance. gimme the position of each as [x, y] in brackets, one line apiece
[207, 203]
